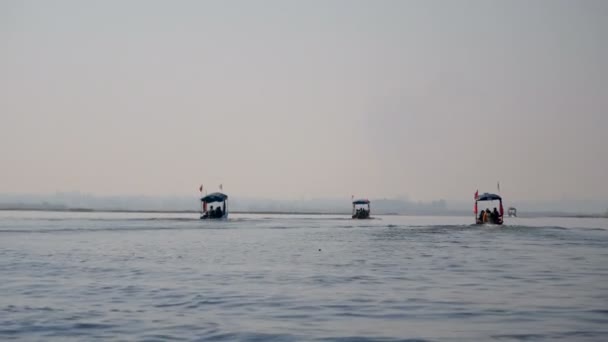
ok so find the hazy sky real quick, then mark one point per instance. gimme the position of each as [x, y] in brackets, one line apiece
[300, 99]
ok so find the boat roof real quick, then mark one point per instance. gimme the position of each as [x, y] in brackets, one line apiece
[214, 197]
[361, 201]
[489, 197]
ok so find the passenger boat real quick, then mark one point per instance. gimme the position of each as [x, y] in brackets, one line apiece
[219, 213]
[487, 217]
[361, 209]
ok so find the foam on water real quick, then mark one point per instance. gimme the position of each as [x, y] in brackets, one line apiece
[289, 277]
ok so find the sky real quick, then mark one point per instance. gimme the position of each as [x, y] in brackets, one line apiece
[305, 99]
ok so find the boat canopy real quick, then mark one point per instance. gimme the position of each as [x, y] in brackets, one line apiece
[214, 197]
[360, 201]
[489, 197]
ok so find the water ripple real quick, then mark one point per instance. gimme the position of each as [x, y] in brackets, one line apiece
[313, 278]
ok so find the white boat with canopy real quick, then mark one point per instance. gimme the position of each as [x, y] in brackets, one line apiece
[218, 213]
[361, 209]
[487, 216]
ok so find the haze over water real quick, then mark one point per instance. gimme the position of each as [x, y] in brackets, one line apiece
[306, 99]
[299, 105]
[82, 276]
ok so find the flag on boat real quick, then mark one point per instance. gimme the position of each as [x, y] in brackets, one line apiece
[475, 198]
[201, 188]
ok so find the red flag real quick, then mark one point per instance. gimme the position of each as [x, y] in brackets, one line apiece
[476, 194]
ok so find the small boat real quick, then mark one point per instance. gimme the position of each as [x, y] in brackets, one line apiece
[487, 217]
[219, 213]
[361, 209]
[512, 212]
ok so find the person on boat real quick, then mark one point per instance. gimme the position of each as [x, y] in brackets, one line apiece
[211, 212]
[481, 215]
[495, 216]
[487, 216]
[218, 212]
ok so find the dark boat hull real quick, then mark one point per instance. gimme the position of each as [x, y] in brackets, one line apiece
[224, 217]
[489, 223]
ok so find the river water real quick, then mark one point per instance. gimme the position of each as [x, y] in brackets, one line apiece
[160, 277]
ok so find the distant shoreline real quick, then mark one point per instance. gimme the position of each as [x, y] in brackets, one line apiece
[86, 210]
[143, 211]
